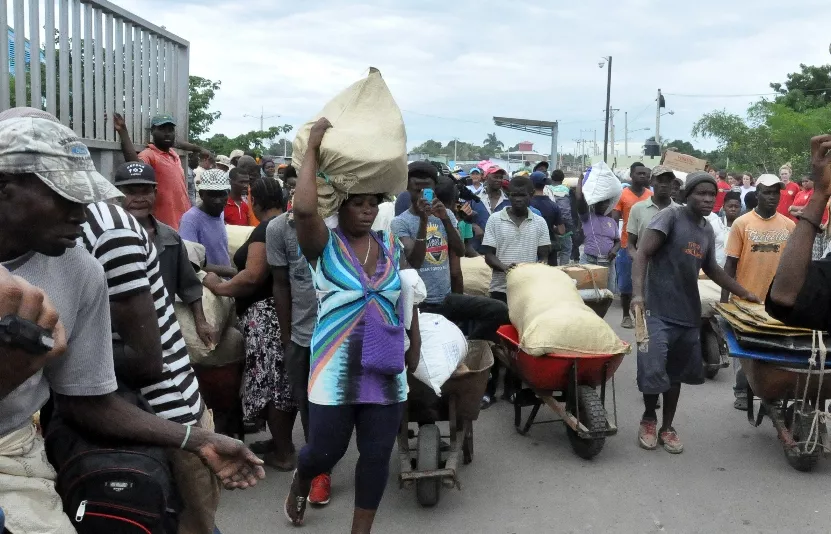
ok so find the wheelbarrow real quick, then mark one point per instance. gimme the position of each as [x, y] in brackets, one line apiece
[791, 393]
[568, 385]
[426, 465]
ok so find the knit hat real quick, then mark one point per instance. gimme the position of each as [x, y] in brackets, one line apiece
[697, 178]
[214, 180]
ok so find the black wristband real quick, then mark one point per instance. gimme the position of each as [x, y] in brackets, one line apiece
[817, 227]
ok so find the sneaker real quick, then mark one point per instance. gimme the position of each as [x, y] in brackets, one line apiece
[627, 323]
[321, 490]
[648, 434]
[262, 447]
[741, 402]
[487, 402]
[670, 440]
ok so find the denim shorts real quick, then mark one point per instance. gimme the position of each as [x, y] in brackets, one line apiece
[674, 357]
[623, 264]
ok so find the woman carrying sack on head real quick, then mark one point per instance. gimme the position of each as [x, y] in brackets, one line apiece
[358, 363]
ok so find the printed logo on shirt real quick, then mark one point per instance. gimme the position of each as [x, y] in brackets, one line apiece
[694, 250]
[767, 240]
[436, 245]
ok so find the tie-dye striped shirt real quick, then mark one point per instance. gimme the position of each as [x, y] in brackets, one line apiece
[336, 376]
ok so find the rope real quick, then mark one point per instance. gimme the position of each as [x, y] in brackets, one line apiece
[818, 348]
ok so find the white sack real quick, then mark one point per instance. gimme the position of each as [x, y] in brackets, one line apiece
[443, 348]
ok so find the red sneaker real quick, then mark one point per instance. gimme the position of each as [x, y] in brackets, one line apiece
[321, 490]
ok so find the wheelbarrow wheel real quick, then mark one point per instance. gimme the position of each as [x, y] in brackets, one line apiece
[712, 352]
[801, 458]
[429, 447]
[593, 416]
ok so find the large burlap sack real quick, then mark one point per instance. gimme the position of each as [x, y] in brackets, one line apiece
[477, 276]
[602, 184]
[443, 348]
[550, 315]
[365, 151]
[218, 313]
[237, 236]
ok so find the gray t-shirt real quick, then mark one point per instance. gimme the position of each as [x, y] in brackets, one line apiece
[672, 275]
[282, 250]
[435, 271]
[76, 285]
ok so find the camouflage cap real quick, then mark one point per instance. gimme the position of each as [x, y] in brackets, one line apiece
[662, 169]
[51, 151]
[163, 118]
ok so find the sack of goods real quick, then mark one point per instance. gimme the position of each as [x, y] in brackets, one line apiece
[602, 184]
[218, 313]
[237, 236]
[365, 151]
[550, 315]
[443, 348]
[477, 276]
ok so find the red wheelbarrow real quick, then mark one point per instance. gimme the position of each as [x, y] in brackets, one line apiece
[567, 384]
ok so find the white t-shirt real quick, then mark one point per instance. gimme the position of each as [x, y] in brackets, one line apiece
[722, 231]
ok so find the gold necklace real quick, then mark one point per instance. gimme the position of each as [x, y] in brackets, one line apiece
[368, 248]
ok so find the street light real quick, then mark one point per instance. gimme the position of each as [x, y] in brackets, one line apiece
[608, 105]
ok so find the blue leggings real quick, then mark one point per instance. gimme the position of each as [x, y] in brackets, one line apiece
[330, 430]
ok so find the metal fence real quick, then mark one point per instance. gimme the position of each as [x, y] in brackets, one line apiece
[83, 60]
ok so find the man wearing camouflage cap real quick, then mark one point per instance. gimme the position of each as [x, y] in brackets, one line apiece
[642, 213]
[47, 177]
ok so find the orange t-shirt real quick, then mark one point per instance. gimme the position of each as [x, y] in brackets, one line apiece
[758, 245]
[624, 206]
[172, 199]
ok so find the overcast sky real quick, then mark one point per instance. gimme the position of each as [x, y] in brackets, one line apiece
[454, 64]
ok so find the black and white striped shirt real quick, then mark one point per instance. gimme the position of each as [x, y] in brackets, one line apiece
[118, 241]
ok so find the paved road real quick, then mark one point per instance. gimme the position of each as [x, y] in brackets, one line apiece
[731, 478]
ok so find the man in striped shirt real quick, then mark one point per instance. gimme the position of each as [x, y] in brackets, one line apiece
[149, 349]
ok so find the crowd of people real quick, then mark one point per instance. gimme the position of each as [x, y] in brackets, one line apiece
[93, 268]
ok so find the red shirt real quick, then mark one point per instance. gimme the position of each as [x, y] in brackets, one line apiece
[786, 200]
[723, 189]
[801, 200]
[236, 214]
[171, 190]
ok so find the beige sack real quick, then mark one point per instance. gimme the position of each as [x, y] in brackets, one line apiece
[218, 312]
[365, 151]
[550, 316]
[237, 236]
[477, 276]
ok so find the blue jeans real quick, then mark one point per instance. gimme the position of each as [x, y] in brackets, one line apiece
[330, 430]
[564, 254]
[624, 272]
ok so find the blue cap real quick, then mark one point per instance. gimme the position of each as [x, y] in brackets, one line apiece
[462, 174]
[476, 170]
[538, 178]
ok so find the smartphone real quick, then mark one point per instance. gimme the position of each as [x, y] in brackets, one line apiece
[427, 194]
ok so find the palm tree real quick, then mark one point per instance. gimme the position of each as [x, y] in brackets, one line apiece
[492, 143]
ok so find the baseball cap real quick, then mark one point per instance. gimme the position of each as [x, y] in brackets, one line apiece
[538, 178]
[134, 173]
[422, 168]
[460, 174]
[163, 118]
[662, 169]
[475, 170]
[33, 143]
[496, 169]
[236, 153]
[768, 180]
[214, 180]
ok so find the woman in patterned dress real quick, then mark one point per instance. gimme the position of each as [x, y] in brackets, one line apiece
[265, 388]
[358, 376]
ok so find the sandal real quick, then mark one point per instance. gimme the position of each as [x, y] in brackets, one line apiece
[285, 466]
[295, 506]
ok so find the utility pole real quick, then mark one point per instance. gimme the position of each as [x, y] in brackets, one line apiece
[608, 109]
[262, 118]
[658, 119]
[595, 142]
[455, 141]
[612, 132]
[626, 133]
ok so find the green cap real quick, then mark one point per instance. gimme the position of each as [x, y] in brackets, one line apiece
[158, 120]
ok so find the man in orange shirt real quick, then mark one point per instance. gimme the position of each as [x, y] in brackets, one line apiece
[172, 199]
[639, 190]
[754, 248]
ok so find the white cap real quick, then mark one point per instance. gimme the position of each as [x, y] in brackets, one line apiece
[768, 180]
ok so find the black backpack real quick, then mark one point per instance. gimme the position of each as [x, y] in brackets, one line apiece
[110, 488]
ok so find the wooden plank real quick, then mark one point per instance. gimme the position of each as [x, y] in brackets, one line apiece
[135, 87]
[5, 96]
[89, 112]
[169, 82]
[120, 53]
[145, 84]
[109, 7]
[77, 71]
[154, 82]
[63, 61]
[18, 11]
[109, 78]
[183, 65]
[34, 55]
[98, 28]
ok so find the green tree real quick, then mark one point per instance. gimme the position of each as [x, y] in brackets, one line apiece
[254, 141]
[430, 147]
[684, 147]
[201, 92]
[492, 144]
[280, 148]
[807, 89]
